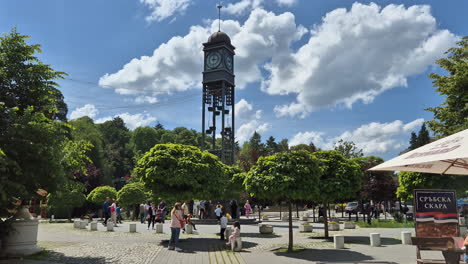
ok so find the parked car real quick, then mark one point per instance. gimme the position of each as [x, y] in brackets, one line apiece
[352, 207]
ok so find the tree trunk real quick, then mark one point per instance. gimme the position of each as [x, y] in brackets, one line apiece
[342, 211]
[69, 214]
[290, 244]
[259, 216]
[313, 213]
[297, 210]
[280, 209]
[329, 211]
[325, 219]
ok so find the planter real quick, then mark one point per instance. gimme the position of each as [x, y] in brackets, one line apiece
[333, 227]
[349, 225]
[266, 229]
[306, 228]
[23, 239]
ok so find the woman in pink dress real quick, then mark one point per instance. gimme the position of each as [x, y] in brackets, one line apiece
[247, 208]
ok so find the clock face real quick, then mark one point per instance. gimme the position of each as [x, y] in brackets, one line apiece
[213, 60]
[228, 62]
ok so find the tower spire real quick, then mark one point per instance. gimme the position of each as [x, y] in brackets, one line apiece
[219, 16]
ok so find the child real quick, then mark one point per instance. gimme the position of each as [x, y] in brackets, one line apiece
[235, 234]
[218, 212]
[223, 223]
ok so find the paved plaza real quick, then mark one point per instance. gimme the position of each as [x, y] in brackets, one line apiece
[65, 244]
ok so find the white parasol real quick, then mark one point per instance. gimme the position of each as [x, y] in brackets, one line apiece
[448, 155]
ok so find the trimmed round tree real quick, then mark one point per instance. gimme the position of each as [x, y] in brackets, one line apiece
[99, 194]
[68, 196]
[341, 179]
[131, 194]
[180, 172]
[287, 176]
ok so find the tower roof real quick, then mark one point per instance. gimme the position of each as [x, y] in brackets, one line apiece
[219, 37]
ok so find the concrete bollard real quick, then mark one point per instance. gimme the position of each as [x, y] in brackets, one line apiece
[76, 223]
[83, 224]
[338, 241]
[159, 228]
[228, 233]
[189, 229]
[94, 226]
[236, 244]
[110, 226]
[406, 238]
[375, 239]
[132, 228]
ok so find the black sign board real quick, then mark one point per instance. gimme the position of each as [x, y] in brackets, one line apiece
[436, 213]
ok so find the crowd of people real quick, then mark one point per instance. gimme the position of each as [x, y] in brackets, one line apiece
[181, 215]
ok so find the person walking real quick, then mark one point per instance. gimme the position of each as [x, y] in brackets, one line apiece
[201, 209]
[142, 212]
[162, 206]
[151, 215]
[207, 209]
[247, 208]
[113, 210]
[106, 210]
[185, 213]
[223, 224]
[177, 222]
[233, 205]
[119, 213]
[218, 211]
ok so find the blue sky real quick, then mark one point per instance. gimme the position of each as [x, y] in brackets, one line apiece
[308, 71]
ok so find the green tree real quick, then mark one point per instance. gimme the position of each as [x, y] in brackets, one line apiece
[143, 139]
[75, 156]
[413, 143]
[99, 194]
[283, 145]
[348, 149]
[131, 195]
[423, 136]
[187, 137]
[285, 176]
[30, 135]
[182, 172]
[69, 196]
[377, 185]
[117, 152]
[452, 115]
[271, 147]
[85, 129]
[341, 179]
[310, 148]
[415, 180]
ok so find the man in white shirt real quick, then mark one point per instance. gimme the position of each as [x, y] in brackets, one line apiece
[146, 207]
[223, 223]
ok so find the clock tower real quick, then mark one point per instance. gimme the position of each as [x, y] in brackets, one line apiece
[218, 96]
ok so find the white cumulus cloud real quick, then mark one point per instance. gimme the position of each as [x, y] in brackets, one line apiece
[162, 9]
[372, 138]
[146, 99]
[87, 110]
[357, 54]
[248, 121]
[131, 121]
[286, 2]
[176, 65]
[239, 8]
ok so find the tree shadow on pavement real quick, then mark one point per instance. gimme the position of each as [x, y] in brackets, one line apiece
[258, 235]
[57, 257]
[193, 245]
[329, 256]
[365, 240]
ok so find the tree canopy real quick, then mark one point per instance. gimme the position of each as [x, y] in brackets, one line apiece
[452, 115]
[99, 194]
[131, 194]
[68, 196]
[288, 175]
[182, 172]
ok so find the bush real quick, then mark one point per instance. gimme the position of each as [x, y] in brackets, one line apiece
[398, 217]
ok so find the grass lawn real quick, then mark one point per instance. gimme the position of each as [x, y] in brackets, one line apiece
[385, 224]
